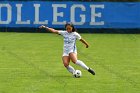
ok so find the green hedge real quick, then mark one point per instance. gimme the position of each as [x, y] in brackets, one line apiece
[81, 30]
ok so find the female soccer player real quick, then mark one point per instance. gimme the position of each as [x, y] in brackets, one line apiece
[69, 49]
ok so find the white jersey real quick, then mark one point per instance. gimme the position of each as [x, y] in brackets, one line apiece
[69, 42]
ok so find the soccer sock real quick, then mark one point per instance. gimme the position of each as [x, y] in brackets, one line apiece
[70, 69]
[82, 64]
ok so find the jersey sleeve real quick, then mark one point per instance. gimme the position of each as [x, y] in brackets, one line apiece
[78, 36]
[61, 32]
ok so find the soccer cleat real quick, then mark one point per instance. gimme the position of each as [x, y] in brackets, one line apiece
[91, 71]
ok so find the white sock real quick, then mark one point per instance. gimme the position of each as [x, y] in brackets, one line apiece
[70, 69]
[82, 64]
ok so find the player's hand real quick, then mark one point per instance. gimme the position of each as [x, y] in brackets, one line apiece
[87, 46]
[42, 26]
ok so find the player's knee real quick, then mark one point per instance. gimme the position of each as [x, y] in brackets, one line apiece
[66, 64]
[74, 61]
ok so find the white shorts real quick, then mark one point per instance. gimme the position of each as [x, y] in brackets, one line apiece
[66, 53]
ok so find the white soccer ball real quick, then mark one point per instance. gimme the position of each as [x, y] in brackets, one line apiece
[77, 74]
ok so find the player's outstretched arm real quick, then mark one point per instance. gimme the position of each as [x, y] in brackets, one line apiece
[49, 29]
[84, 42]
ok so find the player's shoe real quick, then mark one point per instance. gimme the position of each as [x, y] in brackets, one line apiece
[91, 71]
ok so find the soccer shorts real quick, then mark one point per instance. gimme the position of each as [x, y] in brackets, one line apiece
[67, 52]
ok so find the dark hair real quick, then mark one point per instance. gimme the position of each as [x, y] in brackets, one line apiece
[70, 24]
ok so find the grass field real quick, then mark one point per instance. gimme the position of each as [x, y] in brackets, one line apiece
[31, 63]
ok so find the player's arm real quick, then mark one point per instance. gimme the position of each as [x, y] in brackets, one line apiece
[84, 42]
[49, 29]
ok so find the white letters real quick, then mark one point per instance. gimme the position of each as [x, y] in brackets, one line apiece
[73, 14]
[37, 15]
[56, 14]
[59, 14]
[19, 13]
[94, 15]
[9, 13]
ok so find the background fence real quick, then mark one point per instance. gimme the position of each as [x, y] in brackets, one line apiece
[81, 0]
[86, 16]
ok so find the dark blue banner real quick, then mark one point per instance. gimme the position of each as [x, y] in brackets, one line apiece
[82, 14]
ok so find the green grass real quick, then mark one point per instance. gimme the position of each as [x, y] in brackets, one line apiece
[31, 63]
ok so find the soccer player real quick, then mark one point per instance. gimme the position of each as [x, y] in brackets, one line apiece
[69, 49]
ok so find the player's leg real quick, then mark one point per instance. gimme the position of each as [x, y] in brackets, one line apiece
[66, 61]
[73, 57]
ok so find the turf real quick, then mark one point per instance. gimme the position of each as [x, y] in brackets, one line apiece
[31, 63]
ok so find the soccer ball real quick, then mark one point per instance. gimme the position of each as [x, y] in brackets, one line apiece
[77, 74]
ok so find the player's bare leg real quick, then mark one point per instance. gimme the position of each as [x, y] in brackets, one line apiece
[66, 61]
[73, 57]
